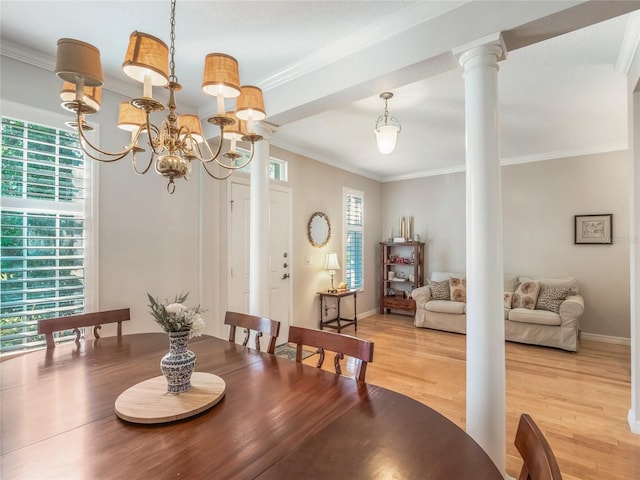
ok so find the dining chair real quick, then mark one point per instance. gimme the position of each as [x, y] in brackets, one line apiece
[75, 322]
[539, 461]
[260, 325]
[355, 347]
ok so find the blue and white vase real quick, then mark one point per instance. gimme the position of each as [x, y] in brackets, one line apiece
[178, 365]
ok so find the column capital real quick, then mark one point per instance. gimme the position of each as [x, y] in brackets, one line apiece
[265, 129]
[490, 45]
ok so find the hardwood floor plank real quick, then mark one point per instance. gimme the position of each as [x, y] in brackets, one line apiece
[579, 400]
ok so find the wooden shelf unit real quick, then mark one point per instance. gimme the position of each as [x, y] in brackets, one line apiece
[395, 293]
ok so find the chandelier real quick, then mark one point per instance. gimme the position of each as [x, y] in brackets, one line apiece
[179, 139]
[387, 128]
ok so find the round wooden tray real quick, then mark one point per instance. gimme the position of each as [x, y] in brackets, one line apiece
[149, 402]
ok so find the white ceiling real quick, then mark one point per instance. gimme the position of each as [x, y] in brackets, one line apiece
[322, 65]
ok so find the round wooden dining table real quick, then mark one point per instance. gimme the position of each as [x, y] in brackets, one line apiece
[278, 419]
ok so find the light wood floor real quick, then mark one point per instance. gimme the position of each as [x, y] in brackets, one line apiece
[579, 400]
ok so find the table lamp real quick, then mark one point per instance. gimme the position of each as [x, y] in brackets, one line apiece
[331, 265]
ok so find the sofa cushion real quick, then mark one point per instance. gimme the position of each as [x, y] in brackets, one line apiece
[440, 290]
[550, 298]
[508, 298]
[445, 306]
[539, 317]
[526, 295]
[569, 282]
[458, 287]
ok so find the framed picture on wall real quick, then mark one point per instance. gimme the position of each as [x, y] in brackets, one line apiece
[593, 229]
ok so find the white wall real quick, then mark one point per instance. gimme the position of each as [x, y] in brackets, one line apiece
[319, 187]
[539, 202]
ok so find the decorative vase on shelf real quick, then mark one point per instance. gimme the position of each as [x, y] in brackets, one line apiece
[178, 365]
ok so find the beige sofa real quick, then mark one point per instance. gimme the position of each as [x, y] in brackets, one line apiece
[538, 326]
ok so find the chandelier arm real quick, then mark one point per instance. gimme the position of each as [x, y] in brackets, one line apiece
[157, 143]
[135, 166]
[212, 155]
[240, 167]
[229, 172]
[88, 147]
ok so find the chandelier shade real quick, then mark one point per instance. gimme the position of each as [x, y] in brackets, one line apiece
[236, 131]
[92, 95]
[250, 104]
[190, 123]
[387, 128]
[130, 118]
[178, 140]
[221, 76]
[147, 56]
[76, 59]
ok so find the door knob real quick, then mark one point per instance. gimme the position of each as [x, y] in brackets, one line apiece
[285, 276]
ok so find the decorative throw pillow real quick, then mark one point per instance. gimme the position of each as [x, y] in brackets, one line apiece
[526, 295]
[550, 298]
[439, 290]
[458, 288]
[508, 297]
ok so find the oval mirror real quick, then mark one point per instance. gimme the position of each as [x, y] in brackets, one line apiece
[319, 229]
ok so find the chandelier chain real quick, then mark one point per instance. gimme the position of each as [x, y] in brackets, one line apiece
[172, 49]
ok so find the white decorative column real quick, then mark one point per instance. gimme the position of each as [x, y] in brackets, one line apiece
[259, 226]
[634, 210]
[628, 64]
[485, 285]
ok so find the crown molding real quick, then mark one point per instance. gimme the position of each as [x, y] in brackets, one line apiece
[390, 26]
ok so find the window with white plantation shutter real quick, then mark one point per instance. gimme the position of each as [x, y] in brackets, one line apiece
[354, 229]
[42, 215]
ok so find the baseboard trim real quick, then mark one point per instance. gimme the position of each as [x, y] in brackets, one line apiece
[605, 338]
[369, 313]
[633, 423]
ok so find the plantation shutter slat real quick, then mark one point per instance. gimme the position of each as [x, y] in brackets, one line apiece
[43, 230]
[354, 216]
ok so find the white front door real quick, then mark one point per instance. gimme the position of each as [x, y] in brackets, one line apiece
[279, 254]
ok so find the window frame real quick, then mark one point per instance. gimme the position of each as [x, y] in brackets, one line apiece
[29, 114]
[348, 228]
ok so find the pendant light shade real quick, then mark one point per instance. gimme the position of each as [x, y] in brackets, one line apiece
[147, 55]
[387, 128]
[78, 59]
[386, 137]
[237, 130]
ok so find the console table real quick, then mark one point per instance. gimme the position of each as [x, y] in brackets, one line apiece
[338, 296]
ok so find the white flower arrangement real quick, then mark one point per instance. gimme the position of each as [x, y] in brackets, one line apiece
[176, 317]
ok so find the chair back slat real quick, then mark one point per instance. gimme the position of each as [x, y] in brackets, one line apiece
[74, 322]
[355, 347]
[539, 461]
[260, 325]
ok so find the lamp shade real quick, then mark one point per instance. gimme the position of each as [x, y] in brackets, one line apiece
[130, 118]
[147, 55]
[92, 95]
[331, 262]
[250, 104]
[78, 59]
[192, 122]
[237, 130]
[386, 137]
[221, 75]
